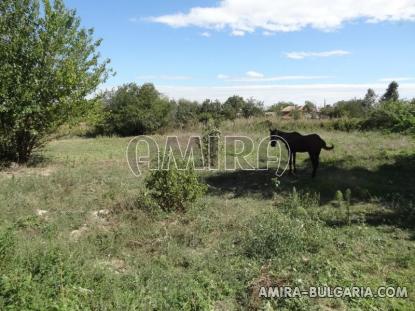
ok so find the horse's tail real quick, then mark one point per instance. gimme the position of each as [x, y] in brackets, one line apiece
[327, 148]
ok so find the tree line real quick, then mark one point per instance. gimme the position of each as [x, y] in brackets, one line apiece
[386, 112]
[135, 110]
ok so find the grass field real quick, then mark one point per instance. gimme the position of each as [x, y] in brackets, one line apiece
[74, 237]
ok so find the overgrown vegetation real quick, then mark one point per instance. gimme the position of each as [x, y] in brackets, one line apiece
[79, 232]
[393, 116]
[76, 233]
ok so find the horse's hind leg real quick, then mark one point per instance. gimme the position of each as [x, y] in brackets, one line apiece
[290, 161]
[315, 161]
[295, 167]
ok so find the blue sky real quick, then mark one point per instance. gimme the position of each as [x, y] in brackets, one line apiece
[269, 49]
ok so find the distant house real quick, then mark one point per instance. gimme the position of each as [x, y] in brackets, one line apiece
[289, 112]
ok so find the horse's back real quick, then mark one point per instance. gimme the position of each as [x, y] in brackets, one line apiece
[314, 141]
[304, 143]
[295, 135]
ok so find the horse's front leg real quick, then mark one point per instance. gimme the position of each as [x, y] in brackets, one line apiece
[290, 161]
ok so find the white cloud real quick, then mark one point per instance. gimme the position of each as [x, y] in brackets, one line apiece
[278, 78]
[206, 34]
[302, 55]
[297, 93]
[254, 74]
[267, 33]
[398, 79]
[133, 19]
[238, 33]
[163, 77]
[241, 16]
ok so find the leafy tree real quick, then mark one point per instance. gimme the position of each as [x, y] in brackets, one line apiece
[186, 112]
[370, 99]
[135, 110]
[233, 106]
[210, 110]
[309, 107]
[252, 108]
[48, 65]
[391, 92]
[353, 108]
[327, 111]
[296, 114]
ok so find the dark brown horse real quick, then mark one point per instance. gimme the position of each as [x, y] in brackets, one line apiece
[300, 143]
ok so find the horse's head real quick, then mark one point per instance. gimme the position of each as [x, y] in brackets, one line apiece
[273, 136]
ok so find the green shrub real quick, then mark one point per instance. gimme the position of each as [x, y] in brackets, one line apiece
[174, 189]
[393, 116]
[134, 110]
[347, 124]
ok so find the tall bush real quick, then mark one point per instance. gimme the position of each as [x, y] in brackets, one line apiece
[48, 65]
[135, 110]
[394, 116]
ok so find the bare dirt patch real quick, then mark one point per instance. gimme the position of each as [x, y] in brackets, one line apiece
[16, 170]
[95, 219]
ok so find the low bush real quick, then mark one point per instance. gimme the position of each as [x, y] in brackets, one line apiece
[346, 124]
[174, 189]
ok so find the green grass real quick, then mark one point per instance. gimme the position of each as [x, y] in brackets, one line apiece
[218, 253]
